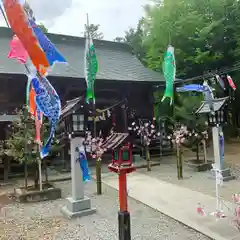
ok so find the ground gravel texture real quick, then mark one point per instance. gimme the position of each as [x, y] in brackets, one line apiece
[44, 220]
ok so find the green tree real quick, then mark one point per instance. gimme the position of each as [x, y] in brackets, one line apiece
[21, 146]
[202, 32]
[30, 13]
[94, 32]
[43, 28]
[134, 37]
[119, 39]
[205, 35]
[185, 108]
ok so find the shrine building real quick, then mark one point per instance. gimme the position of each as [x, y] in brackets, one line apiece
[121, 76]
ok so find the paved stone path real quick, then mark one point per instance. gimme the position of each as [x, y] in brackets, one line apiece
[44, 220]
[179, 203]
[198, 181]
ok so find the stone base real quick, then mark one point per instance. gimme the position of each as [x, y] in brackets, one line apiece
[21, 195]
[226, 173]
[77, 208]
[199, 166]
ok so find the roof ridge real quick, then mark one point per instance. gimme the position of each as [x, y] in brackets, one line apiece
[61, 38]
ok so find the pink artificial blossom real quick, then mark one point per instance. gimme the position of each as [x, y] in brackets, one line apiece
[96, 145]
[146, 131]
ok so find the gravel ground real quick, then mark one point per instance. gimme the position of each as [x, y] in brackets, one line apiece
[44, 221]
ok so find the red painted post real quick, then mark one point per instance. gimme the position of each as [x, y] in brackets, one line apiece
[122, 167]
[123, 191]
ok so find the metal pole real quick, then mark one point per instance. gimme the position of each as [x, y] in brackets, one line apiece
[179, 164]
[40, 170]
[98, 160]
[28, 71]
[221, 144]
[4, 16]
[217, 160]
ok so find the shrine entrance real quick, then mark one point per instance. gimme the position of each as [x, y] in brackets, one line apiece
[109, 118]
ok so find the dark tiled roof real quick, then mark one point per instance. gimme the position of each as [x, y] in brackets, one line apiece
[116, 61]
[70, 106]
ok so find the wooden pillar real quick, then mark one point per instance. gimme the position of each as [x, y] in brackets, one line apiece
[124, 116]
[6, 159]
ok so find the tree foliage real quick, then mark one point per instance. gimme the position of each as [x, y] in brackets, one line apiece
[204, 34]
[93, 31]
[134, 37]
[21, 146]
[30, 13]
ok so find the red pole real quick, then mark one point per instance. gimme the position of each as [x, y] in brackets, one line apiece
[123, 191]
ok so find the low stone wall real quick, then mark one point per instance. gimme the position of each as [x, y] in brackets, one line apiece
[24, 196]
[235, 170]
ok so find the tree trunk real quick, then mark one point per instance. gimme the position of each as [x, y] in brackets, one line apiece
[204, 150]
[99, 176]
[40, 174]
[6, 168]
[179, 162]
[36, 176]
[25, 175]
[197, 152]
[66, 158]
[45, 171]
[148, 158]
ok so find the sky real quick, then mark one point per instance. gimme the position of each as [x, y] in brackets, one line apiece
[69, 16]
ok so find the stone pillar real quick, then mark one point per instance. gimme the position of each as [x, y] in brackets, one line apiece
[77, 205]
[216, 149]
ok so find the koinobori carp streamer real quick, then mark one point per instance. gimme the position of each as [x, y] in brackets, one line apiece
[19, 23]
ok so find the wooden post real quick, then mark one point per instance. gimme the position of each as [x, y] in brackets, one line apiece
[180, 162]
[204, 150]
[26, 175]
[45, 171]
[40, 174]
[124, 114]
[6, 167]
[40, 169]
[148, 158]
[197, 151]
[99, 176]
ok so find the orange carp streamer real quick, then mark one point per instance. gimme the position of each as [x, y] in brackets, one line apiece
[38, 116]
[19, 23]
[32, 103]
[38, 124]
